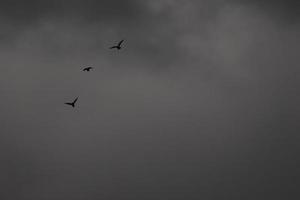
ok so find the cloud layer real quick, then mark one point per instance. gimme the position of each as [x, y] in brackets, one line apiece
[202, 102]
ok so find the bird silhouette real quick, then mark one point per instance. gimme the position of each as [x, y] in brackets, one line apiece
[117, 46]
[72, 103]
[87, 69]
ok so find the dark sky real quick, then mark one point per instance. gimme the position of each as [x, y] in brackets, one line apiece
[201, 103]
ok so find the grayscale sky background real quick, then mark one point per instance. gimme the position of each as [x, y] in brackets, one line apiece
[201, 103]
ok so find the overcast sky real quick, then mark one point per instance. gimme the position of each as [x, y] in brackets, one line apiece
[202, 102]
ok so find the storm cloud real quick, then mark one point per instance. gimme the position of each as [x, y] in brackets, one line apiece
[201, 103]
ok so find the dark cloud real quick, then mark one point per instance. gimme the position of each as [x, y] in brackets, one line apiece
[31, 10]
[34, 10]
[278, 9]
[202, 102]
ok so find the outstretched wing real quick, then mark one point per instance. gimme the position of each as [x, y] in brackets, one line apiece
[75, 100]
[70, 104]
[113, 47]
[120, 42]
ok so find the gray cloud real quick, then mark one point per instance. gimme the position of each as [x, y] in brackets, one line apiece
[279, 10]
[32, 9]
[202, 102]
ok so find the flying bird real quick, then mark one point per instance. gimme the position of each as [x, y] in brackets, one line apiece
[117, 46]
[73, 103]
[87, 69]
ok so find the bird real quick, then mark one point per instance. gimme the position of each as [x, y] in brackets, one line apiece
[117, 46]
[87, 69]
[72, 103]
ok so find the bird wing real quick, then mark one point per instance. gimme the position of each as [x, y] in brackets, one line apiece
[69, 104]
[120, 42]
[75, 100]
[113, 47]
